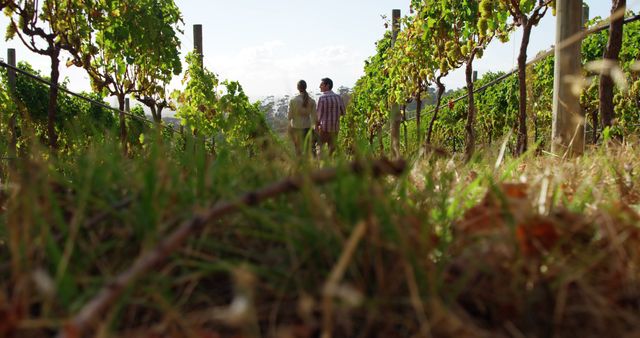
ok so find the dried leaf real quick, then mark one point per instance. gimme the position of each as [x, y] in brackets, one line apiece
[536, 236]
[70, 331]
[509, 200]
[515, 190]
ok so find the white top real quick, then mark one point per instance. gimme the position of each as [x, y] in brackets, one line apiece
[301, 117]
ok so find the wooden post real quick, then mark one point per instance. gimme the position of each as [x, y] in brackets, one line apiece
[127, 105]
[11, 60]
[475, 75]
[197, 42]
[11, 79]
[585, 15]
[197, 46]
[394, 114]
[568, 119]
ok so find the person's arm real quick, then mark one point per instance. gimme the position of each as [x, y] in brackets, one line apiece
[343, 110]
[320, 111]
[314, 113]
[290, 112]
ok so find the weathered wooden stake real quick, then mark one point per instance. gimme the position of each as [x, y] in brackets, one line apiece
[394, 113]
[568, 118]
[585, 15]
[197, 42]
[11, 60]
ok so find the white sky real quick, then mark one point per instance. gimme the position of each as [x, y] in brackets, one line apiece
[269, 45]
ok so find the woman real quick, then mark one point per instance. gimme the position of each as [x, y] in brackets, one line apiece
[302, 117]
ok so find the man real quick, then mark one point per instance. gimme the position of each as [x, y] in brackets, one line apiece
[330, 108]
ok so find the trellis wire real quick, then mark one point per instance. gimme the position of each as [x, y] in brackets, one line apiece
[539, 57]
[82, 97]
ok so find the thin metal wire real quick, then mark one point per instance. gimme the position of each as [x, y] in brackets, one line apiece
[61, 88]
[82, 97]
[540, 56]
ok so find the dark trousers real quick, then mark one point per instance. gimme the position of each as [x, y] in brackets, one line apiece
[329, 138]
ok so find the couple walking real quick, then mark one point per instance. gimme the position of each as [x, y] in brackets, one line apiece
[324, 117]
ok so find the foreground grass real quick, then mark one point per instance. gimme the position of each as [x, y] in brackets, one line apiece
[530, 247]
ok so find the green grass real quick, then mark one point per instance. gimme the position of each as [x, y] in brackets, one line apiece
[70, 223]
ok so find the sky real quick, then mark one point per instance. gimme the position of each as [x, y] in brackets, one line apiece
[269, 45]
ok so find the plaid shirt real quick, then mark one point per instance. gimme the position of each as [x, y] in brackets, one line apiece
[330, 108]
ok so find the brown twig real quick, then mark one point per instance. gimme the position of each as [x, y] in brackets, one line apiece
[110, 293]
